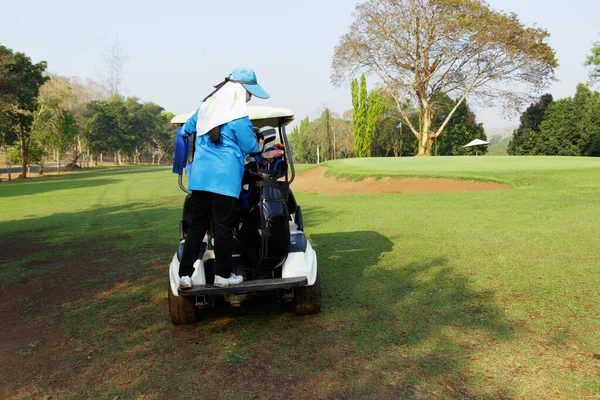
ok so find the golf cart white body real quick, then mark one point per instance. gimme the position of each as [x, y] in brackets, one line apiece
[298, 275]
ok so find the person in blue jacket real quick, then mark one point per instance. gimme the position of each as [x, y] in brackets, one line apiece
[224, 137]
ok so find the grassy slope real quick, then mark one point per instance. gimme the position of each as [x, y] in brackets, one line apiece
[483, 295]
[512, 170]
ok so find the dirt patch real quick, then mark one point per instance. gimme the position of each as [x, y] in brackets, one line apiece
[315, 181]
[34, 339]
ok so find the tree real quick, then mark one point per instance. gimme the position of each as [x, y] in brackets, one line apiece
[65, 137]
[360, 115]
[375, 109]
[81, 93]
[343, 133]
[294, 142]
[299, 142]
[421, 48]
[115, 59]
[592, 146]
[54, 127]
[460, 130]
[302, 144]
[355, 119]
[163, 140]
[7, 103]
[308, 140]
[327, 142]
[146, 122]
[35, 153]
[20, 87]
[525, 137]
[558, 126]
[593, 60]
[393, 139]
[108, 127]
[569, 125]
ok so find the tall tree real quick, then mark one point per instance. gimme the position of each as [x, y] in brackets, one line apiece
[375, 110]
[115, 59]
[21, 85]
[327, 142]
[421, 48]
[525, 136]
[356, 121]
[7, 103]
[593, 61]
[355, 102]
[360, 117]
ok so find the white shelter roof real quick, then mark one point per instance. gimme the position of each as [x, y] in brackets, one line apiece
[260, 116]
[476, 142]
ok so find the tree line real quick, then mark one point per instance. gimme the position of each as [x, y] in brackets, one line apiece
[44, 115]
[566, 127]
[373, 128]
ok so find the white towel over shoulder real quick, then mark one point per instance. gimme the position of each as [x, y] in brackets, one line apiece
[228, 104]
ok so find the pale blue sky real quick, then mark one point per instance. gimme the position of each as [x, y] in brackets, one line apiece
[177, 49]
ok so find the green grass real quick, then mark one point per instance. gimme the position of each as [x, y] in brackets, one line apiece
[511, 170]
[24, 267]
[466, 295]
[303, 167]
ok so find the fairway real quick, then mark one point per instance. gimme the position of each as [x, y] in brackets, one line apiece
[490, 294]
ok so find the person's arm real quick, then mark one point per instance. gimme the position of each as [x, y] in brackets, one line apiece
[189, 128]
[245, 135]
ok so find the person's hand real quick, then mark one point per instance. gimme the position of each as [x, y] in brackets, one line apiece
[257, 135]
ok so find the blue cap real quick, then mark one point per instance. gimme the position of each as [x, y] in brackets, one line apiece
[247, 77]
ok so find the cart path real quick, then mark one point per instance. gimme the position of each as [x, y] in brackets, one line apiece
[315, 181]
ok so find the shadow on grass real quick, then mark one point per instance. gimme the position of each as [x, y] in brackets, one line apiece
[80, 179]
[30, 187]
[413, 326]
[385, 331]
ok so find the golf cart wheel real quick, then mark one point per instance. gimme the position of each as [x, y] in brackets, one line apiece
[308, 299]
[182, 309]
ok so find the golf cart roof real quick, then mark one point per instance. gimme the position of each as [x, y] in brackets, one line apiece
[260, 116]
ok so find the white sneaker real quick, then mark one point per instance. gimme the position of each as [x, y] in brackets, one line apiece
[185, 282]
[232, 280]
[238, 278]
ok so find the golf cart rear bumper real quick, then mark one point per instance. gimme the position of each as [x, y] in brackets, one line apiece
[261, 285]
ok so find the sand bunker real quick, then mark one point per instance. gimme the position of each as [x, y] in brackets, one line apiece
[314, 181]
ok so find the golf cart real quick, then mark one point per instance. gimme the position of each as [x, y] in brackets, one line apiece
[271, 251]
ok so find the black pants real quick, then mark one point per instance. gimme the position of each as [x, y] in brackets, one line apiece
[222, 210]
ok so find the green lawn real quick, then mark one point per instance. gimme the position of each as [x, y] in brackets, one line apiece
[468, 295]
[304, 167]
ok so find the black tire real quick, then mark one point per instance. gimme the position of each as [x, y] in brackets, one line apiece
[308, 299]
[182, 309]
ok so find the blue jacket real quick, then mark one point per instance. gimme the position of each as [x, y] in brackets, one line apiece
[218, 168]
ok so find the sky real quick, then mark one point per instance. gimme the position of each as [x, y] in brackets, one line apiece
[178, 49]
